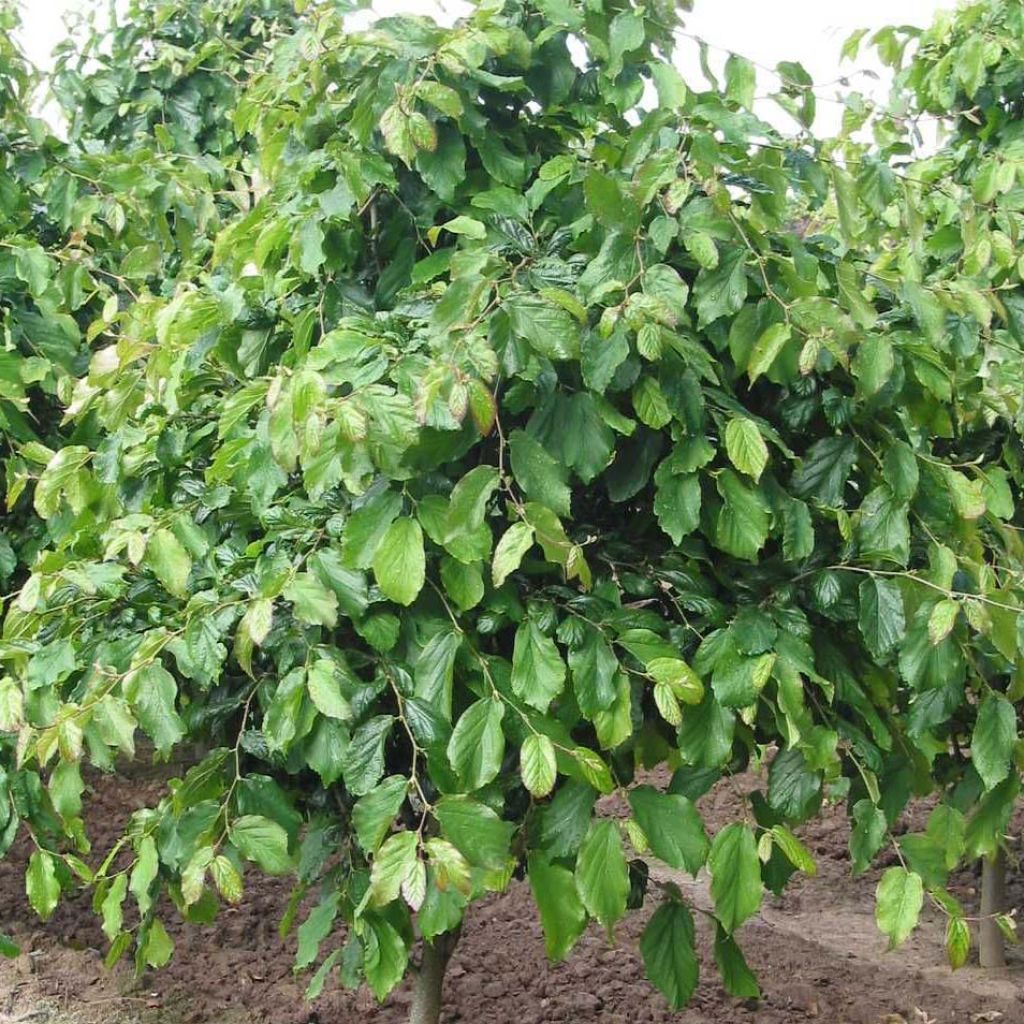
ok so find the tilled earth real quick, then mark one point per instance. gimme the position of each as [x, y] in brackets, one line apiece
[816, 951]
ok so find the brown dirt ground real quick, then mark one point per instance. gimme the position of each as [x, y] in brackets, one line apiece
[816, 951]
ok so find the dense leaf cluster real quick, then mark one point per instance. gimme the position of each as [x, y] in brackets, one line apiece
[455, 427]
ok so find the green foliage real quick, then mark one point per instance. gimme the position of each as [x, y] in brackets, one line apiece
[443, 436]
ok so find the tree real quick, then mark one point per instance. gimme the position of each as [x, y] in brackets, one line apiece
[960, 217]
[533, 425]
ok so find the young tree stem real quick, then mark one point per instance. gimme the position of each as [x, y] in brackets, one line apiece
[991, 950]
[429, 983]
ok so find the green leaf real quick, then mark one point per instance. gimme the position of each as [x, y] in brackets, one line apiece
[740, 80]
[444, 168]
[462, 225]
[667, 949]
[394, 862]
[313, 602]
[11, 950]
[625, 34]
[881, 618]
[735, 875]
[147, 866]
[170, 562]
[262, 841]
[564, 821]
[946, 827]
[538, 672]
[385, 954]
[673, 827]
[468, 504]
[441, 97]
[66, 788]
[942, 620]
[898, 901]
[399, 565]
[970, 64]
[151, 692]
[374, 812]
[767, 349]
[987, 825]
[548, 329]
[652, 408]
[797, 531]
[477, 745]
[677, 502]
[794, 790]
[254, 629]
[722, 291]
[323, 682]
[434, 670]
[873, 364]
[701, 246]
[593, 665]
[310, 246]
[706, 735]
[825, 469]
[54, 663]
[601, 357]
[737, 978]
[41, 883]
[679, 677]
[514, 543]
[738, 680]
[362, 760]
[847, 204]
[315, 929]
[602, 878]
[463, 583]
[615, 725]
[607, 202]
[745, 447]
[884, 527]
[396, 127]
[365, 529]
[158, 946]
[742, 525]
[12, 705]
[669, 84]
[227, 879]
[448, 867]
[475, 831]
[34, 267]
[663, 283]
[796, 853]
[562, 915]
[537, 472]
[994, 739]
[112, 907]
[958, 942]
[537, 765]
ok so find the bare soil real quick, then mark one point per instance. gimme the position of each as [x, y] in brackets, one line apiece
[816, 951]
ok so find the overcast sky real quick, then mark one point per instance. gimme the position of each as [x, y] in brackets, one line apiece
[766, 31]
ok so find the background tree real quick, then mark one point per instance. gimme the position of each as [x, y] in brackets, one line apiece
[533, 424]
[956, 235]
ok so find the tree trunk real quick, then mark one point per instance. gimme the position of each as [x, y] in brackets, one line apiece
[427, 989]
[991, 951]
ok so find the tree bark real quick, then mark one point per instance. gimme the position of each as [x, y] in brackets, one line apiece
[991, 950]
[427, 989]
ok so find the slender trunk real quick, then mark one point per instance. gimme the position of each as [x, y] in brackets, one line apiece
[991, 950]
[427, 989]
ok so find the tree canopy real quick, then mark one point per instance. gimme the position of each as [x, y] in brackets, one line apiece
[448, 426]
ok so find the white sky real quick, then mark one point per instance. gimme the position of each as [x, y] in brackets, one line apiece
[766, 31]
